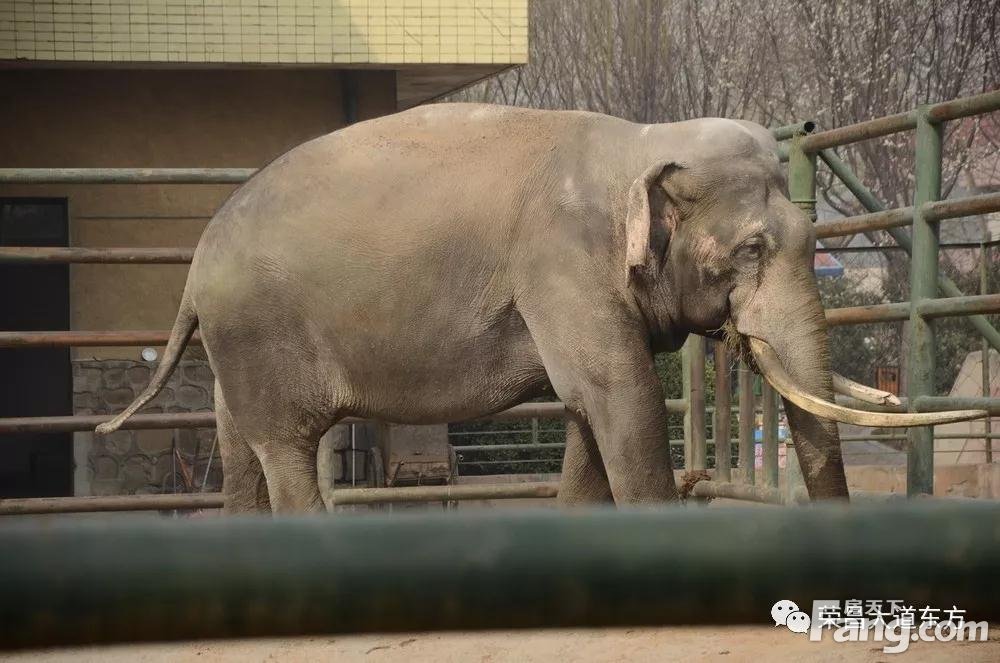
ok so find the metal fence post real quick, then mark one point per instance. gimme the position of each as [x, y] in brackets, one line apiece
[923, 285]
[769, 397]
[686, 395]
[802, 178]
[693, 368]
[984, 289]
[723, 414]
[802, 192]
[747, 422]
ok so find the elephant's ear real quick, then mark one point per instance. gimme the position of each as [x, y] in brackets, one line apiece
[650, 220]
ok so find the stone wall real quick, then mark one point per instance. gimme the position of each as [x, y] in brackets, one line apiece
[148, 461]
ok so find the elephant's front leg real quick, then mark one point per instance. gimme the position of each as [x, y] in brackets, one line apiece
[608, 381]
[629, 420]
[584, 480]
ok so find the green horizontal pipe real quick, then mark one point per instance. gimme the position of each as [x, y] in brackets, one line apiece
[986, 102]
[90, 582]
[125, 175]
[942, 403]
[853, 133]
[798, 129]
[868, 199]
[952, 208]
[883, 126]
[903, 216]
[861, 223]
[951, 306]
[860, 315]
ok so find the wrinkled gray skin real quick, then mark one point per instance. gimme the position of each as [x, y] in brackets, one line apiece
[452, 261]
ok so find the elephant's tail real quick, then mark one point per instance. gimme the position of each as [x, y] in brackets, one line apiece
[184, 326]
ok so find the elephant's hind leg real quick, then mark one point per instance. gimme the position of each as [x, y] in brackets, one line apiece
[244, 489]
[584, 480]
[285, 439]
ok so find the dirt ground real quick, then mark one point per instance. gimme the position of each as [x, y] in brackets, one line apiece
[731, 644]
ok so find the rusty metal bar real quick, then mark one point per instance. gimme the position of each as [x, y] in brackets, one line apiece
[87, 422]
[345, 496]
[528, 490]
[903, 216]
[82, 339]
[168, 502]
[952, 306]
[102, 256]
[859, 315]
[954, 208]
[943, 403]
[883, 126]
[125, 175]
[853, 133]
[986, 102]
[851, 225]
[739, 491]
[790, 130]
[83, 423]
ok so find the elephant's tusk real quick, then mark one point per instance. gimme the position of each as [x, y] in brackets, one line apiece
[864, 393]
[770, 365]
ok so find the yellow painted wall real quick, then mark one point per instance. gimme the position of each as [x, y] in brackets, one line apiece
[266, 31]
[159, 118]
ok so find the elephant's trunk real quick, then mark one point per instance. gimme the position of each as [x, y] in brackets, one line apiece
[797, 361]
[786, 334]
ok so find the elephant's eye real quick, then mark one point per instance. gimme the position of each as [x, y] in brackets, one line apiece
[752, 249]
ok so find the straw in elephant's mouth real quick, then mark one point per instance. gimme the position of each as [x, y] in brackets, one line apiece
[738, 345]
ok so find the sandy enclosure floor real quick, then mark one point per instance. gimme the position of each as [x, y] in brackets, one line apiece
[732, 644]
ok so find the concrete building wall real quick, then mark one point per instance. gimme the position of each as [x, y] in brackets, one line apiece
[143, 118]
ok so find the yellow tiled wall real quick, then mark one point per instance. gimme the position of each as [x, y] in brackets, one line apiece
[266, 31]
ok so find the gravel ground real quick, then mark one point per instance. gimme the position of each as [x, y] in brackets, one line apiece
[730, 644]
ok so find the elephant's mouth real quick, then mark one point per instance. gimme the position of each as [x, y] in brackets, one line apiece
[763, 360]
[738, 345]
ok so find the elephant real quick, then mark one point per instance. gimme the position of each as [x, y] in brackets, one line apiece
[453, 260]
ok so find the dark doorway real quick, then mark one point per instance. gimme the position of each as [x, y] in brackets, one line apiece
[35, 382]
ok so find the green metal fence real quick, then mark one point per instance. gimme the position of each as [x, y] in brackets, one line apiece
[256, 577]
[922, 245]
